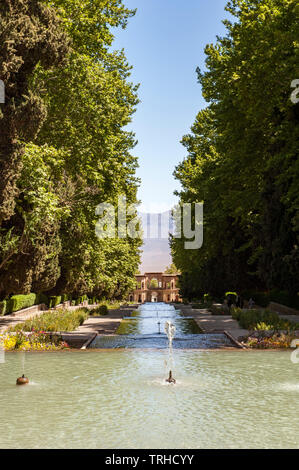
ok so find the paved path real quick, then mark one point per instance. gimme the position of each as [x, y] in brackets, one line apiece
[103, 325]
[215, 323]
[219, 323]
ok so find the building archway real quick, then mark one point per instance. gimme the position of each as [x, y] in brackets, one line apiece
[154, 297]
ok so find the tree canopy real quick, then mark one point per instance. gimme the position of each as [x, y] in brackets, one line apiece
[243, 156]
[70, 154]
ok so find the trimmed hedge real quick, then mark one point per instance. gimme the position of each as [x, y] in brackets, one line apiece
[2, 307]
[18, 302]
[54, 300]
[42, 299]
[81, 299]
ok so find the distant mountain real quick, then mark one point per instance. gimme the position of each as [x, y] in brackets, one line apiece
[156, 251]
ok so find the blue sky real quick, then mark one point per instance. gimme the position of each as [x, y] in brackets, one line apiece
[165, 43]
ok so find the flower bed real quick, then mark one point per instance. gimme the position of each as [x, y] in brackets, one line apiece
[267, 329]
[42, 333]
[34, 341]
[276, 341]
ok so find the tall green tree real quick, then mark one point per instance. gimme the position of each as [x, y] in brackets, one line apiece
[243, 154]
[30, 35]
[78, 155]
[89, 103]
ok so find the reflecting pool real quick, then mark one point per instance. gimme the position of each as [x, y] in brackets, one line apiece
[146, 329]
[118, 398]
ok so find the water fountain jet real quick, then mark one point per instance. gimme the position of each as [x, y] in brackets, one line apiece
[170, 379]
[170, 332]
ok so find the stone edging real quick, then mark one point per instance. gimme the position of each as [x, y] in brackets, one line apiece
[89, 340]
[234, 340]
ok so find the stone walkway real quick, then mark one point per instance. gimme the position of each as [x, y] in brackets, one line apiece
[215, 323]
[105, 325]
[222, 323]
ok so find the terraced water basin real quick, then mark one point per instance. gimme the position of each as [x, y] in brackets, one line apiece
[117, 396]
[146, 329]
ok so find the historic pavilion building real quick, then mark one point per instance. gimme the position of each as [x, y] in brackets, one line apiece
[155, 287]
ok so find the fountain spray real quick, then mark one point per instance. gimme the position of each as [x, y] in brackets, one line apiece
[170, 332]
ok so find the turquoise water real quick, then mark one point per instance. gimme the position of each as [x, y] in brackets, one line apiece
[118, 398]
[147, 330]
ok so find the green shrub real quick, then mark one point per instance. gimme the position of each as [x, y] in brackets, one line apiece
[250, 320]
[9, 305]
[81, 299]
[64, 298]
[54, 300]
[42, 299]
[2, 307]
[235, 313]
[103, 309]
[263, 327]
[18, 302]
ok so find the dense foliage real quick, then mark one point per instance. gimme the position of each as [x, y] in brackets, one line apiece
[63, 148]
[262, 320]
[243, 157]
